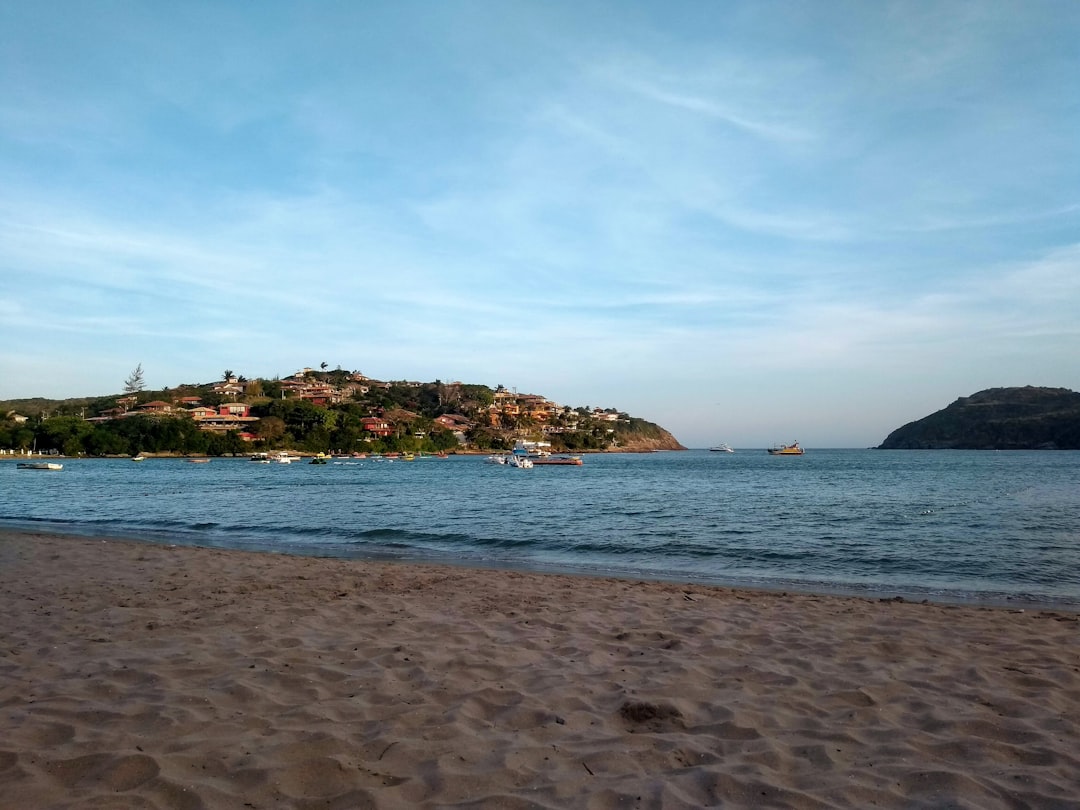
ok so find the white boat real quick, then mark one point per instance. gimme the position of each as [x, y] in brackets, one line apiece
[260, 458]
[284, 458]
[495, 459]
[40, 465]
[521, 462]
[721, 448]
[537, 453]
[139, 457]
[533, 450]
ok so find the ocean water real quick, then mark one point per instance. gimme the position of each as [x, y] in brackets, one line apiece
[953, 526]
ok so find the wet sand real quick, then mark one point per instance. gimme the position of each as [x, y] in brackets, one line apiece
[146, 676]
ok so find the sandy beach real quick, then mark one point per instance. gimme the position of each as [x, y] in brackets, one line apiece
[146, 676]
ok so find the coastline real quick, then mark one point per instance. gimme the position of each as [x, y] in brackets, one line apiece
[149, 675]
[780, 587]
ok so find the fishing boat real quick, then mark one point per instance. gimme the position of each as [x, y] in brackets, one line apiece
[792, 449]
[40, 465]
[721, 448]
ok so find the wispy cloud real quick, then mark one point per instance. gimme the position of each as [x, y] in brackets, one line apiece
[568, 201]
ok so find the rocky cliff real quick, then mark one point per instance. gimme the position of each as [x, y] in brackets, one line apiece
[1026, 418]
[662, 440]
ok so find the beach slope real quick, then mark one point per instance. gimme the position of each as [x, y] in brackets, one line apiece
[149, 676]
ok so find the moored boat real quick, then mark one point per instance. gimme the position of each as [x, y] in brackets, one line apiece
[537, 454]
[40, 465]
[792, 449]
[566, 461]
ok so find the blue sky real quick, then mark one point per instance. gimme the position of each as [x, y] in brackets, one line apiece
[747, 221]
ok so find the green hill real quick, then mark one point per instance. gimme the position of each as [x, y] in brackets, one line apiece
[318, 411]
[1026, 418]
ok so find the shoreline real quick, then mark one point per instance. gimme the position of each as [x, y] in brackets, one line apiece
[139, 674]
[869, 592]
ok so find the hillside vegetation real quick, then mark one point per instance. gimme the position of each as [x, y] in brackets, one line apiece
[319, 411]
[997, 419]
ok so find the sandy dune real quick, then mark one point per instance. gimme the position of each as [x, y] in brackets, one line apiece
[143, 676]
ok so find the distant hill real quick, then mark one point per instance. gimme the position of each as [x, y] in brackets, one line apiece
[319, 411]
[997, 419]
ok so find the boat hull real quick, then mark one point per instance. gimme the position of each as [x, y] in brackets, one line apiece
[785, 451]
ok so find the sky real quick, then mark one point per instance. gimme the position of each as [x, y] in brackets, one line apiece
[750, 222]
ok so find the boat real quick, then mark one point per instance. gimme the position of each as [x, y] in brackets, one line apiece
[260, 458]
[537, 454]
[559, 460]
[197, 460]
[792, 449]
[533, 450]
[40, 465]
[319, 459]
[521, 462]
[496, 459]
[139, 457]
[283, 458]
[721, 448]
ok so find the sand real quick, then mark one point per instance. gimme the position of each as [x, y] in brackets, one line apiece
[146, 676]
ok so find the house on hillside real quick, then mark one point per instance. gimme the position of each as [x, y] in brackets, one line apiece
[319, 394]
[228, 417]
[454, 421]
[376, 426]
[235, 409]
[229, 389]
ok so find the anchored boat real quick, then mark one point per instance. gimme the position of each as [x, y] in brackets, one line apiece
[792, 449]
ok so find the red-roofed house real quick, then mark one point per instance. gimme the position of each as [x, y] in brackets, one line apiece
[376, 426]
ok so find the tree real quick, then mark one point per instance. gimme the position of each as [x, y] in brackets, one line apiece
[227, 374]
[270, 428]
[323, 365]
[135, 383]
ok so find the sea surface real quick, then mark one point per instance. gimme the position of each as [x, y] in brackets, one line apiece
[948, 526]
